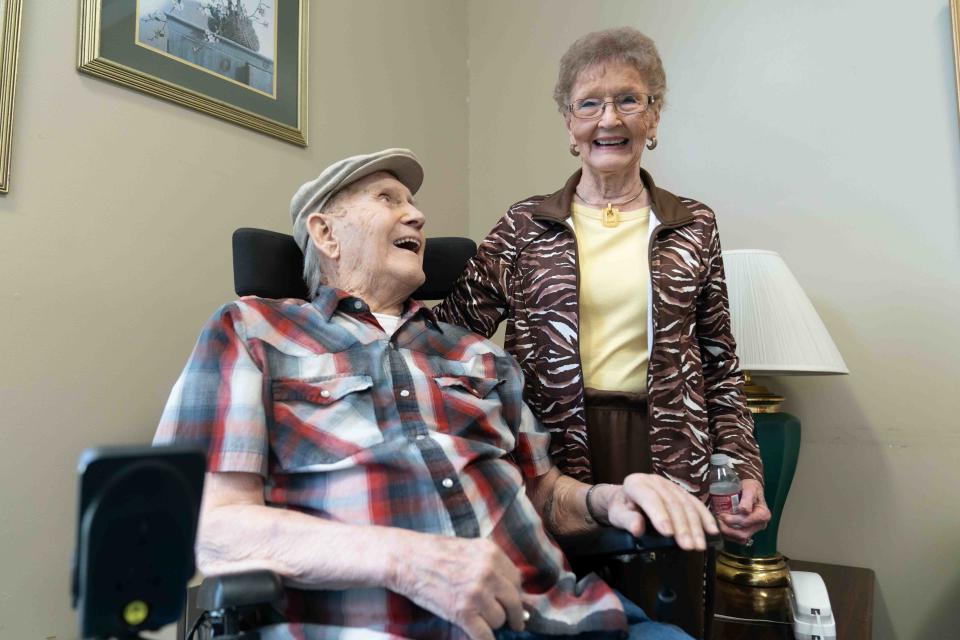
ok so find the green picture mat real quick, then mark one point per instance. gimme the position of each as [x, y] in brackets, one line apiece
[117, 43]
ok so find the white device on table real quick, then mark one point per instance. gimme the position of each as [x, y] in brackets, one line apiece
[812, 614]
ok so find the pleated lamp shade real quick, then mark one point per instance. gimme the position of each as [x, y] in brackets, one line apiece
[778, 331]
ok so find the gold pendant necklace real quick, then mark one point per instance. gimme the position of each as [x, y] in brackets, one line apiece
[610, 215]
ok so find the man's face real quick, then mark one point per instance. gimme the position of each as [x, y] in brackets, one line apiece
[375, 236]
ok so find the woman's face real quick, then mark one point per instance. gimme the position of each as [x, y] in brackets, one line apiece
[612, 143]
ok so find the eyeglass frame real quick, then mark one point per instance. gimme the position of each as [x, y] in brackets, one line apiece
[603, 106]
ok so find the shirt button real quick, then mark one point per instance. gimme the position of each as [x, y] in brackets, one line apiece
[357, 304]
[325, 394]
[447, 483]
[404, 393]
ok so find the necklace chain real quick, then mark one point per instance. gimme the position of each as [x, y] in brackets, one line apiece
[643, 188]
[610, 216]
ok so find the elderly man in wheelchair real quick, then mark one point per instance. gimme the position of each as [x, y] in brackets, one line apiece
[384, 463]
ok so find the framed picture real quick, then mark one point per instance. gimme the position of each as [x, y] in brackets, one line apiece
[241, 60]
[9, 44]
[955, 21]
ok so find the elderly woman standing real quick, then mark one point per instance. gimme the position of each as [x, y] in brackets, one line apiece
[615, 301]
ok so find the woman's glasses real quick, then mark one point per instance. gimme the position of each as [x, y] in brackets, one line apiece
[625, 104]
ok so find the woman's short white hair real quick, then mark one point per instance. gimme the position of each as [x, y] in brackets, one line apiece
[624, 44]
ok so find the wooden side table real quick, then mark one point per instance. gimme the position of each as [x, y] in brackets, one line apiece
[851, 597]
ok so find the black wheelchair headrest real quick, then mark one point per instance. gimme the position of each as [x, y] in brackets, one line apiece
[270, 265]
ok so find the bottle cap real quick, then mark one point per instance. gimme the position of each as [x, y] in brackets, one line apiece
[720, 459]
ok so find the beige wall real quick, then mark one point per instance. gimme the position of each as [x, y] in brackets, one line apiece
[827, 132]
[114, 242]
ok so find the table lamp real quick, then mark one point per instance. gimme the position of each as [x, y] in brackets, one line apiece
[778, 332]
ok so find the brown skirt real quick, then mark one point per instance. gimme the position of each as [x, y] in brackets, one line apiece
[619, 437]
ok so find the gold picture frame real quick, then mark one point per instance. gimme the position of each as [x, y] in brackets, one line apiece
[955, 21]
[176, 53]
[9, 54]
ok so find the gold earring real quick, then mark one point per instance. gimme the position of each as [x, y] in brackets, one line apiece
[574, 151]
[652, 144]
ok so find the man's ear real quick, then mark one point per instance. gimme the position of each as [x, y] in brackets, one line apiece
[322, 235]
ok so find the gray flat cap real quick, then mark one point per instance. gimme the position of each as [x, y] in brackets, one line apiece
[313, 195]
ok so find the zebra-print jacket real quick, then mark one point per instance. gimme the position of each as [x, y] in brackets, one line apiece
[525, 271]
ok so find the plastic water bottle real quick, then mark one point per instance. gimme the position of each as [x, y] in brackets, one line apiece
[724, 485]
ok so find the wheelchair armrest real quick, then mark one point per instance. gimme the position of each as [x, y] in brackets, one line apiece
[234, 590]
[618, 542]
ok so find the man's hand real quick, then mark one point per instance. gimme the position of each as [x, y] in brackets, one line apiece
[671, 510]
[752, 517]
[467, 581]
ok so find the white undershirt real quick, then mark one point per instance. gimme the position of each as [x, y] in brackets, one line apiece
[388, 322]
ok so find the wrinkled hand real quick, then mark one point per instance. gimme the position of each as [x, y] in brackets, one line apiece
[752, 516]
[671, 510]
[469, 582]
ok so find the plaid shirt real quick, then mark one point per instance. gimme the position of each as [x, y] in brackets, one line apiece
[425, 430]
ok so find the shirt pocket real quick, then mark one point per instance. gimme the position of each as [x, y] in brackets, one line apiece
[471, 409]
[322, 421]
[477, 387]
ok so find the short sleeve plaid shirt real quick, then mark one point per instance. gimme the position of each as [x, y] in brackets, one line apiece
[425, 429]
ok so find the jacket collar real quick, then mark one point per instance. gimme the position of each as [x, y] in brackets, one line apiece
[668, 208]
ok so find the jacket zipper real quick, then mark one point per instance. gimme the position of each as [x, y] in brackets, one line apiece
[653, 314]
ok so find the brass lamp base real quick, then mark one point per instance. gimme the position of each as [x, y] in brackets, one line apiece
[764, 572]
[759, 398]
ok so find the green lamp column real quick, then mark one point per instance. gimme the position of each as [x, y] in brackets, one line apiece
[778, 435]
